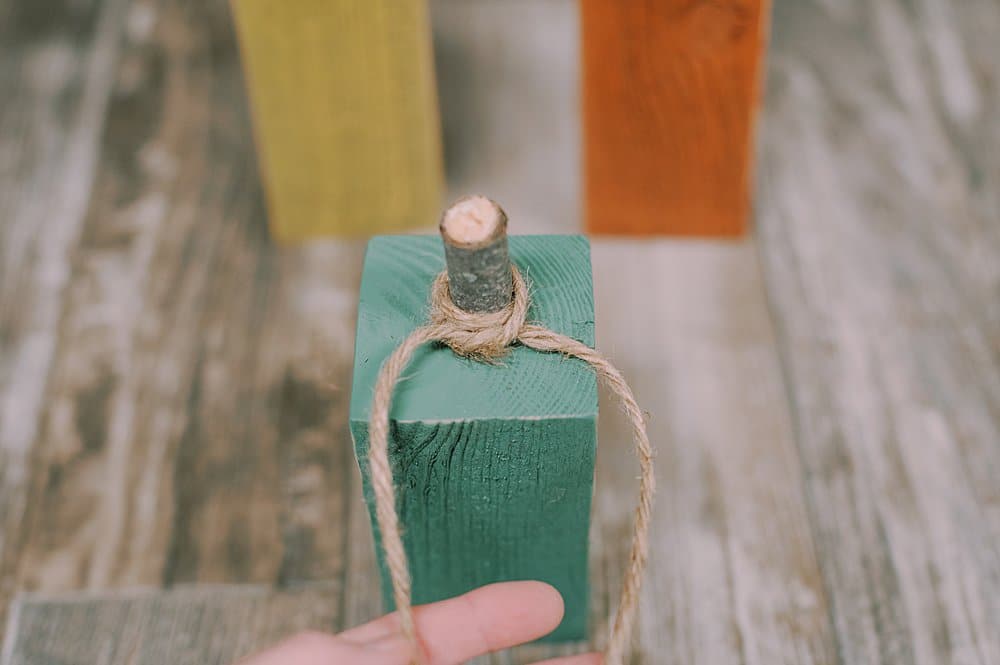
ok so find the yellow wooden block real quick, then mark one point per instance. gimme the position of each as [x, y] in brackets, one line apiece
[345, 114]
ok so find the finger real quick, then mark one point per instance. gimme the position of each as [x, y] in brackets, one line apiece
[582, 659]
[376, 629]
[389, 625]
[487, 619]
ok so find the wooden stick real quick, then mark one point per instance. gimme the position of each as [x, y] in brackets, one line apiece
[474, 230]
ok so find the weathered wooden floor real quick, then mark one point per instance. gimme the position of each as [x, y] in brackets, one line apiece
[825, 396]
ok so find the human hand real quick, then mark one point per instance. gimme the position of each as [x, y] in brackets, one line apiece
[452, 631]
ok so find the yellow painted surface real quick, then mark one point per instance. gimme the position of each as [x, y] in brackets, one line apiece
[345, 114]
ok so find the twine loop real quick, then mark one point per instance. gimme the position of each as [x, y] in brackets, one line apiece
[487, 337]
[482, 336]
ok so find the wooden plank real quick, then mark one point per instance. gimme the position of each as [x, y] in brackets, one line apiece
[346, 114]
[195, 423]
[57, 63]
[209, 624]
[495, 464]
[669, 102]
[882, 253]
[733, 575]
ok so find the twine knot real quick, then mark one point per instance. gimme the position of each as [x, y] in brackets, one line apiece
[482, 336]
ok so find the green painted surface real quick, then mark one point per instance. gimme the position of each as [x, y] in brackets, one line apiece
[494, 464]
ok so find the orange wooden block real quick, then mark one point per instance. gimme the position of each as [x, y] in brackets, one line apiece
[670, 90]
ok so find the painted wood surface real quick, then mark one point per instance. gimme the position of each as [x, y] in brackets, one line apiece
[185, 430]
[57, 65]
[345, 108]
[670, 94]
[495, 464]
[734, 576]
[879, 234]
[828, 484]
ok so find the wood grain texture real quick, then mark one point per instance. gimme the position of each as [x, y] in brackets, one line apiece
[57, 65]
[494, 464]
[394, 298]
[194, 424]
[346, 115]
[669, 101]
[878, 224]
[873, 540]
[189, 626]
[733, 577]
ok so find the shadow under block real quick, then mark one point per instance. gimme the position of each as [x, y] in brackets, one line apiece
[494, 465]
[345, 114]
[670, 93]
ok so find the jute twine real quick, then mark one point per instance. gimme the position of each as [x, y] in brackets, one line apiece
[487, 338]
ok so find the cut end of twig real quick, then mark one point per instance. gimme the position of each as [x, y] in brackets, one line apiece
[474, 230]
[473, 221]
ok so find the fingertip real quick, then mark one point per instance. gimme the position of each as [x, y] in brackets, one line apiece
[550, 602]
[528, 603]
[490, 618]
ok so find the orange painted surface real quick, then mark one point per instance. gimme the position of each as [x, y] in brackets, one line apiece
[670, 89]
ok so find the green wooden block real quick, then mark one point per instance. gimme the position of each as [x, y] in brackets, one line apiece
[494, 464]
